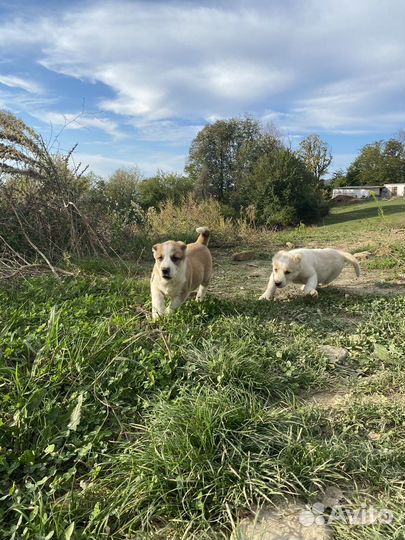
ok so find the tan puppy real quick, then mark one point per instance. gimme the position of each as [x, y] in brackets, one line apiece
[311, 267]
[179, 270]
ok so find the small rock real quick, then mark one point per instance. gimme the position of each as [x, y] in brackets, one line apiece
[244, 256]
[290, 245]
[362, 255]
[373, 436]
[335, 354]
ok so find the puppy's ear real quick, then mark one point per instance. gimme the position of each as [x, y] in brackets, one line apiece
[182, 245]
[297, 258]
[155, 248]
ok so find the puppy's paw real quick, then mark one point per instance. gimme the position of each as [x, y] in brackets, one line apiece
[264, 297]
[314, 294]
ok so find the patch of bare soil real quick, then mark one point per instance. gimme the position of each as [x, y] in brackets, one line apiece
[329, 399]
[290, 520]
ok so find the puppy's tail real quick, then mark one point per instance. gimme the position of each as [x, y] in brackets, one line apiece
[352, 260]
[204, 233]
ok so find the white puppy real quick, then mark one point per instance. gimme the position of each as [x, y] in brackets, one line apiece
[311, 267]
[179, 270]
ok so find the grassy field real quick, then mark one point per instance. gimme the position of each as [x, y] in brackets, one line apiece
[116, 427]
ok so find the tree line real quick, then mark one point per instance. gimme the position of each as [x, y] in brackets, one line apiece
[238, 164]
[243, 165]
[378, 163]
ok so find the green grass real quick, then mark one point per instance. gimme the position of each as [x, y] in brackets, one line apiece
[113, 426]
[367, 221]
[392, 209]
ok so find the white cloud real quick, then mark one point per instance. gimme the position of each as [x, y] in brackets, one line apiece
[147, 162]
[318, 65]
[101, 165]
[18, 102]
[345, 107]
[23, 34]
[80, 121]
[13, 81]
[166, 131]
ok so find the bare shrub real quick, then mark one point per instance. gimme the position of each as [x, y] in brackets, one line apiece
[40, 197]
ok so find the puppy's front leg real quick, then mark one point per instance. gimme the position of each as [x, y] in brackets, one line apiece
[202, 291]
[175, 303]
[158, 303]
[271, 288]
[311, 285]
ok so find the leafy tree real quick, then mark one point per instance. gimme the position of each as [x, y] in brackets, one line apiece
[394, 161]
[316, 155]
[338, 178]
[122, 188]
[241, 165]
[250, 155]
[213, 156]
[378, 163]
[163, 187]
[282, 189]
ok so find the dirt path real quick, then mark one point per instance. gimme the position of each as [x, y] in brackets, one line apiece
[250, 279]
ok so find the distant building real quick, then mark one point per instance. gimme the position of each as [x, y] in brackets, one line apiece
[364, 192]
[358, 192]
[394, 190]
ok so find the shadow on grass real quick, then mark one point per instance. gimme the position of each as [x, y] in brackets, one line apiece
[353, 213]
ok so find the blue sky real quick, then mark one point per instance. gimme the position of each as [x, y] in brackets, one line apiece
[132, 82]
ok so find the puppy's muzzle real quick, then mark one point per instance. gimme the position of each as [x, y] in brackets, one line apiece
[166, 273]
[278, 283]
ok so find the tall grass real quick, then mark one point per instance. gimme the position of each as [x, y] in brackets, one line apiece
[180, 220]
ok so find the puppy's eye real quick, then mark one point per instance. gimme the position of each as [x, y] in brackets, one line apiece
[175, 259]
[160, 258]
[287, 272]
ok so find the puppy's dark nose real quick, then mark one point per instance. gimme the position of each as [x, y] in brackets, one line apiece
[277, 283]
[166, 272]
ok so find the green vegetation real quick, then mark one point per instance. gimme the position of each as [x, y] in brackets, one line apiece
[377, 164]
[113, 426]
[240, 178]
[242, 165]
[316, 155]
[367, 210]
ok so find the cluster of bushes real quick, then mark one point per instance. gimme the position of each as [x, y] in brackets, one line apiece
[240, 164]
[238, 177]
